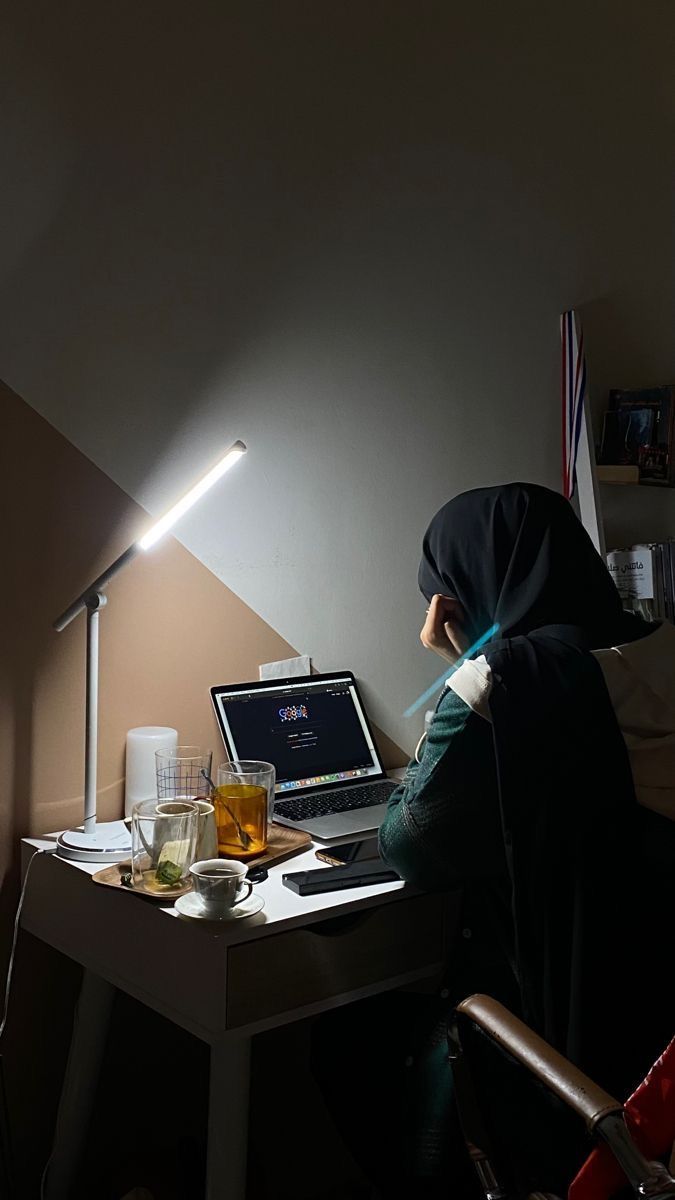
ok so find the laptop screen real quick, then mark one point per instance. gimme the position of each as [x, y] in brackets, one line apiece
[314, 731]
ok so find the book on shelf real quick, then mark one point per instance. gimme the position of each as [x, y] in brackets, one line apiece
[639, 431]
[644, 576]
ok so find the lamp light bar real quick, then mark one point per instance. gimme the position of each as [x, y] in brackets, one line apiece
[154, 533]
[109, 841]
[195, 493]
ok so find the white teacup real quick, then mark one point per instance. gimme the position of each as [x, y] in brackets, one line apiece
[219, 884]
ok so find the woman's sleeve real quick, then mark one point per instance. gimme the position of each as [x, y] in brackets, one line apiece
[442, 827]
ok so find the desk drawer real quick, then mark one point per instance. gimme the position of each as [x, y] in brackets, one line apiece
[278, 974]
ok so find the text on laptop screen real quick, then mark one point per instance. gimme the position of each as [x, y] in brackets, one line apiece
[314, 734]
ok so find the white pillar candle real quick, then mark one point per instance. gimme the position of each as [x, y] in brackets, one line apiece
[141, 779]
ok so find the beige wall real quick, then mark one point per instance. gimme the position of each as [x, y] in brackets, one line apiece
[170, 630]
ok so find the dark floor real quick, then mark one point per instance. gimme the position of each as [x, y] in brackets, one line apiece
[151, 1113]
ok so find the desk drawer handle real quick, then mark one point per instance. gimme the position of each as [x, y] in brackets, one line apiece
[336, 926]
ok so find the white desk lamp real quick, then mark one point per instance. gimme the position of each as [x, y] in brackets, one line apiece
[109, 841]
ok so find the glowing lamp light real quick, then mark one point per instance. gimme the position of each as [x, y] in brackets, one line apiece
[183, 505]
[109, 841]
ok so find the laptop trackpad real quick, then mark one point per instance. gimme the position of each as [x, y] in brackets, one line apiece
[357, 820]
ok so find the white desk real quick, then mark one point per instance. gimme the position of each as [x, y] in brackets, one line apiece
[300, 955]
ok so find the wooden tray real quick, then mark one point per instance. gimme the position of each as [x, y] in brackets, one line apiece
[112, 877]
[282, 843]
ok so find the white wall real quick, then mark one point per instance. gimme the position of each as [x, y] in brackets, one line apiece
[343, 233]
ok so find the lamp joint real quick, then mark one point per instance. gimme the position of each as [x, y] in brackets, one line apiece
[95, 601]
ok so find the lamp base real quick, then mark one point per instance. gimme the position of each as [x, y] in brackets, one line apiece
[110, 842]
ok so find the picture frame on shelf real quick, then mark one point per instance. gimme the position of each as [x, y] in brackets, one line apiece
[626, 432]
[639, 430]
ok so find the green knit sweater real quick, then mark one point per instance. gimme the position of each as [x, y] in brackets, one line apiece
[442, 828]
[442, 832]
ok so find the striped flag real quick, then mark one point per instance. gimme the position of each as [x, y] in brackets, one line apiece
[573, 390]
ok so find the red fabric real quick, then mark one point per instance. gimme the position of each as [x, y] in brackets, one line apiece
[650, 1117]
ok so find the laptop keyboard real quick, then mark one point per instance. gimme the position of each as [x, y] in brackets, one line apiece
[328, 803]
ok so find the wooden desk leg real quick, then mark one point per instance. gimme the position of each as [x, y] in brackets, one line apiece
[228, 1119]
[87, 1046]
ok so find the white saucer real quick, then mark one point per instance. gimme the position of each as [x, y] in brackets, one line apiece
[190, 906]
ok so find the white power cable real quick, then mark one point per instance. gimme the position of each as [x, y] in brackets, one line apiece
[43, 1177]
[12, 954]
[17, 920]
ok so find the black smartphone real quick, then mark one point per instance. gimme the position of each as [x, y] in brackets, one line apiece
[339, 856]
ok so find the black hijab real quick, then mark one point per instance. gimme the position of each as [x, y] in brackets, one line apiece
[517, 555]
[572, 829]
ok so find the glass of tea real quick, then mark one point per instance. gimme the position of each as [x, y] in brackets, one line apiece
[163, 837]
[242, 799]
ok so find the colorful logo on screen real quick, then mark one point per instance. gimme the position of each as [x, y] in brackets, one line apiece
[295, 712]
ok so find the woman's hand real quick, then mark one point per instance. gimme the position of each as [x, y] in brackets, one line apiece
[442, 631]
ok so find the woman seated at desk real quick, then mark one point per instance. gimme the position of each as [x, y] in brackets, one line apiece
[532, 793]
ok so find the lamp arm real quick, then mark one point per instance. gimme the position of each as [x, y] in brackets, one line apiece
[81, 603]
[95, 602]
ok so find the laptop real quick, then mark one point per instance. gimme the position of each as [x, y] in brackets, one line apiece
[330, 781]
